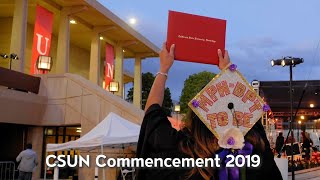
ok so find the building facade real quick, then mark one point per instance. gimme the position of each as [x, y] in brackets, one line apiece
[71, 100]
[306, 107]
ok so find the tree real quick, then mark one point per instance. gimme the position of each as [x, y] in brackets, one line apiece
[192, 85]
[147, 81]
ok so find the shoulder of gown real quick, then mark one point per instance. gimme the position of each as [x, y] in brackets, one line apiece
[156, 133]
[157, 139]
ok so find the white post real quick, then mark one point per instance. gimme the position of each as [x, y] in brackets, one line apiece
[63, 47]
[103, 170]
[137, 82]
[118, 72]
[19, 34]
[56, 171]
[96, 173]
[94, 70]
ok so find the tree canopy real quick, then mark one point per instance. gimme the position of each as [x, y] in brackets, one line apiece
[147, 81]
[192, 85]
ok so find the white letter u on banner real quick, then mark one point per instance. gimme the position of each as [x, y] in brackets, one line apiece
[39, 37]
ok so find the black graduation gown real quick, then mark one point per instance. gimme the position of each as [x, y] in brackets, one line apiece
[158, 139]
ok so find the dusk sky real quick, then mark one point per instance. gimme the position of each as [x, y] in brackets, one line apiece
[257, 31]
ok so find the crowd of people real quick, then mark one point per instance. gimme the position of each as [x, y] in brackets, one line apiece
[308, 156]
[305, 145]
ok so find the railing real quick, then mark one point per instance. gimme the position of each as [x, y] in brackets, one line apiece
[7, 170]
[306, 113]
[19, 81]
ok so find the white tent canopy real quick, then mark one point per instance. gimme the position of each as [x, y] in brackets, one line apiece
[111, 131]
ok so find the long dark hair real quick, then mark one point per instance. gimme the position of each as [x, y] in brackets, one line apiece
[201, 143]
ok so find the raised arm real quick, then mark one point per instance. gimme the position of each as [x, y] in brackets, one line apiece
[156, 94]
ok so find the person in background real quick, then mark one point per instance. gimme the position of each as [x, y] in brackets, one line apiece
[28, 161]
[308, 136]
[306, 145]
[279, 143]
[289, 139]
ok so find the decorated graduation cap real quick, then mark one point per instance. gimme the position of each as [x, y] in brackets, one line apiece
[229, 107]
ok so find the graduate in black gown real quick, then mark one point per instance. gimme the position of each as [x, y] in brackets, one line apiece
[158, 138]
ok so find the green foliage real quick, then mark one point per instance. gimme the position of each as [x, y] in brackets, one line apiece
[147, 81]
[192, 86]
[167, 102]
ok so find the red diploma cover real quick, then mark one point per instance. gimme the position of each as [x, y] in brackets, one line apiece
[197, 38]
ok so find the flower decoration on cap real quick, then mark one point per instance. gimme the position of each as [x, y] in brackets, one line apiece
[266, 108]
[195, 103]
[232, 139]
[233, 67]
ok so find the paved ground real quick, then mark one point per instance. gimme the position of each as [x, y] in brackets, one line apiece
[309, 174]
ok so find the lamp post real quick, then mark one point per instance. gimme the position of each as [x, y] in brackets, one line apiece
[4, 56]
[177, 110]
[12, 56]
[299, 127]
[298, 130]
[114, 86]
[291, 62]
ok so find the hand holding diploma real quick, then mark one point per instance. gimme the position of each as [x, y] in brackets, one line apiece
[166, 58]
[223, 60]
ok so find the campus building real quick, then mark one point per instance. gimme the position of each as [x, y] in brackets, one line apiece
[70, 99]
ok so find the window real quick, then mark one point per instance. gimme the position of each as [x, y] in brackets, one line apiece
[58, 135]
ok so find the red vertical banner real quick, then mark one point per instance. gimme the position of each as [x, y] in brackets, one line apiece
[109, 67]
[41, 37]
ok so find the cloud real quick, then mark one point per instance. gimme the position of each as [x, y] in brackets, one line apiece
[179, 72]
[253, 60]
[258, 42]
